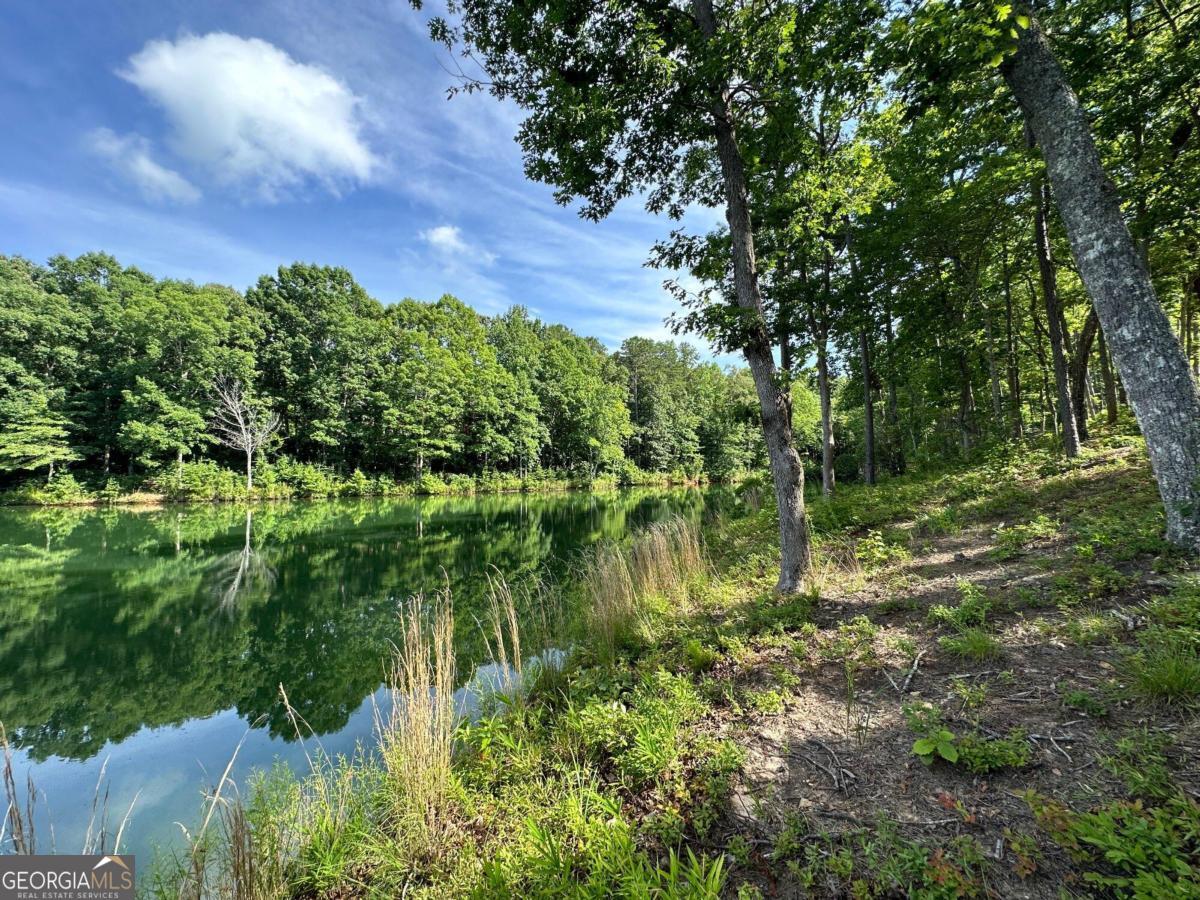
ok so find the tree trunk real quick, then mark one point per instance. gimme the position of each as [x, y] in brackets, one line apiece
[1013, 370]
[787, 472]
[891, 413]
[1195, 357]
[1153, 368]
[966, 403]
[1039, 346]
[867, 373]
[868, 410]
[1110, 383]
[179, 464]
[1054, 319]
[993, 368]
[1079, 372]
[827, 446]
[249, 470]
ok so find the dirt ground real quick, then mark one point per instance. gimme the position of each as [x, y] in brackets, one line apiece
[837, 758]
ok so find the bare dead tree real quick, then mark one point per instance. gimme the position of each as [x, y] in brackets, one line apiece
[238, 425]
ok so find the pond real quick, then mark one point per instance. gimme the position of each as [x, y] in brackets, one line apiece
[139, 647]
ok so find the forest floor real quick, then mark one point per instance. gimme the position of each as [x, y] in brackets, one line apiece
[1042, 629]
[989, 691]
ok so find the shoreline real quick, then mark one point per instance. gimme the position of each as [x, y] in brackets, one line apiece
[151, 500]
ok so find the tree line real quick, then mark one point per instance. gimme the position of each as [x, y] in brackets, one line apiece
[965, 220]
[110, 371]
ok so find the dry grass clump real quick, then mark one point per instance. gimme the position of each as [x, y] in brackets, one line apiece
[835, 566]
[619, 582]
[417, 740]
[665, 556]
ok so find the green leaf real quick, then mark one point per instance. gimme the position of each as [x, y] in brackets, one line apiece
[947, 751]
[924, 746]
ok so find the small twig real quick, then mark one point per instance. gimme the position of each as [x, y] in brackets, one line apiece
[832, 775]
[911, 672]
[1061, 750]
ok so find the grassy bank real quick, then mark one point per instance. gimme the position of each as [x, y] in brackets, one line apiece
[989, 690]
[208, 482]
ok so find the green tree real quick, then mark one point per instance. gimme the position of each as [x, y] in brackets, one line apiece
[32, 435]
[156, 426]
[627, 99]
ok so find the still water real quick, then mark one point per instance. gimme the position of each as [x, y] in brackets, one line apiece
[149, 643]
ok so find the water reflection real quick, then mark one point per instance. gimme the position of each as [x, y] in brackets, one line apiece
[156, 637]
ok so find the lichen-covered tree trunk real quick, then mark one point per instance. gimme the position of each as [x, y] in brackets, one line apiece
[787, 472]
[1152, 365]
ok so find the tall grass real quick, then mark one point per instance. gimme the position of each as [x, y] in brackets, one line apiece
[417, 740]
[18, 824]
[532, 612]
[620, 583]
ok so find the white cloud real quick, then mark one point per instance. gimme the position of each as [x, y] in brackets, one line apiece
[130, 156]
[447, 241]
[252, 115]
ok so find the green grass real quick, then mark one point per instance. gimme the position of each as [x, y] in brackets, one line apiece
[973, 644]
[1167, 668]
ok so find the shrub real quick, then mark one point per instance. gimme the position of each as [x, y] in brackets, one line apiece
[61, 490]
[203, 480]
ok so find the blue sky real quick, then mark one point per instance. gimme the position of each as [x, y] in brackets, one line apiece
[218, 140]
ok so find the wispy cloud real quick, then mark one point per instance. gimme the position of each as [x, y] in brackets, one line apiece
[253, 116]
[160, 242]
[130, 156]
[448, 242]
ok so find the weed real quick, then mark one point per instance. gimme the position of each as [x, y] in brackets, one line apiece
[699, 657]
[875, 551]
[972, 610]
[739, 848]
[976, 753]
[1167, 667]
[939, 520]
[1139, 759]
[972, 644]
[1130, 849]
[981, 755]
[1012, 540]
[1082, 701]
[972, 695]
[767, 703]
